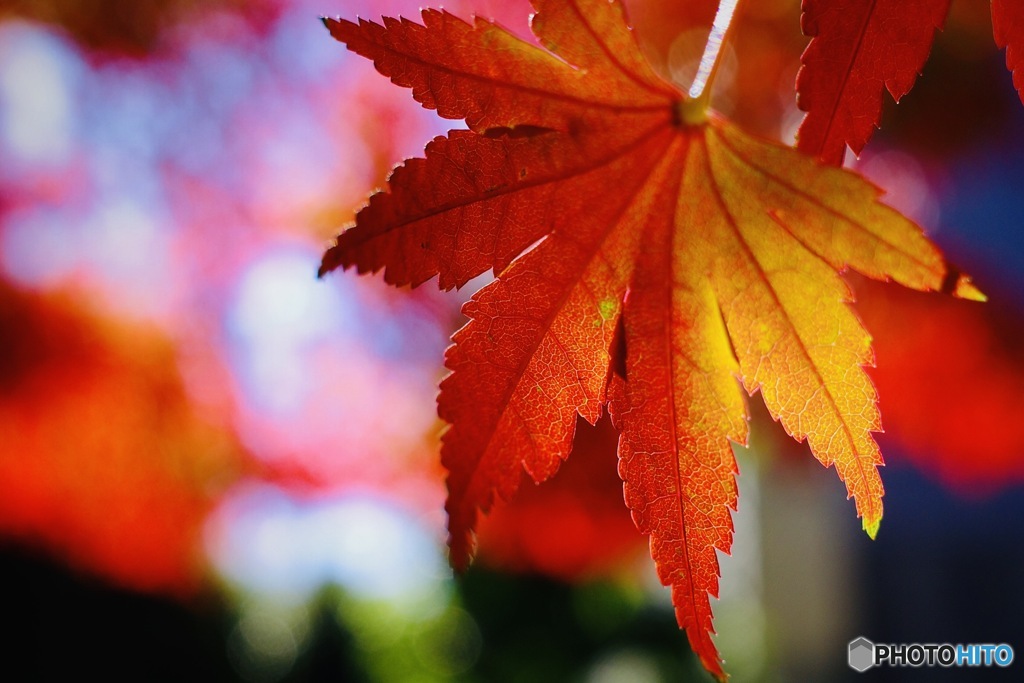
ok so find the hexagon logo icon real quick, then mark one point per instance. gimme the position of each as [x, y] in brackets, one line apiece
[861, 654]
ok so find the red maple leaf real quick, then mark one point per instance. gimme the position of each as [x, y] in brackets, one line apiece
[860, 48]
[1008, 27]
[647, 255]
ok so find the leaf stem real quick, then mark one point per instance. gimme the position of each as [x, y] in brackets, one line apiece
[694, 110]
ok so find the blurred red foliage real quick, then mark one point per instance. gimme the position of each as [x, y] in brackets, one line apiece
[573, 526]
[949, 376]
[104, 461]
[128, 27]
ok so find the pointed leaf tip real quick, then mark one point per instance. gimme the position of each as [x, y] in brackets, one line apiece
[328, 262]
[965, 289]
[871, 527]
[958, 284]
